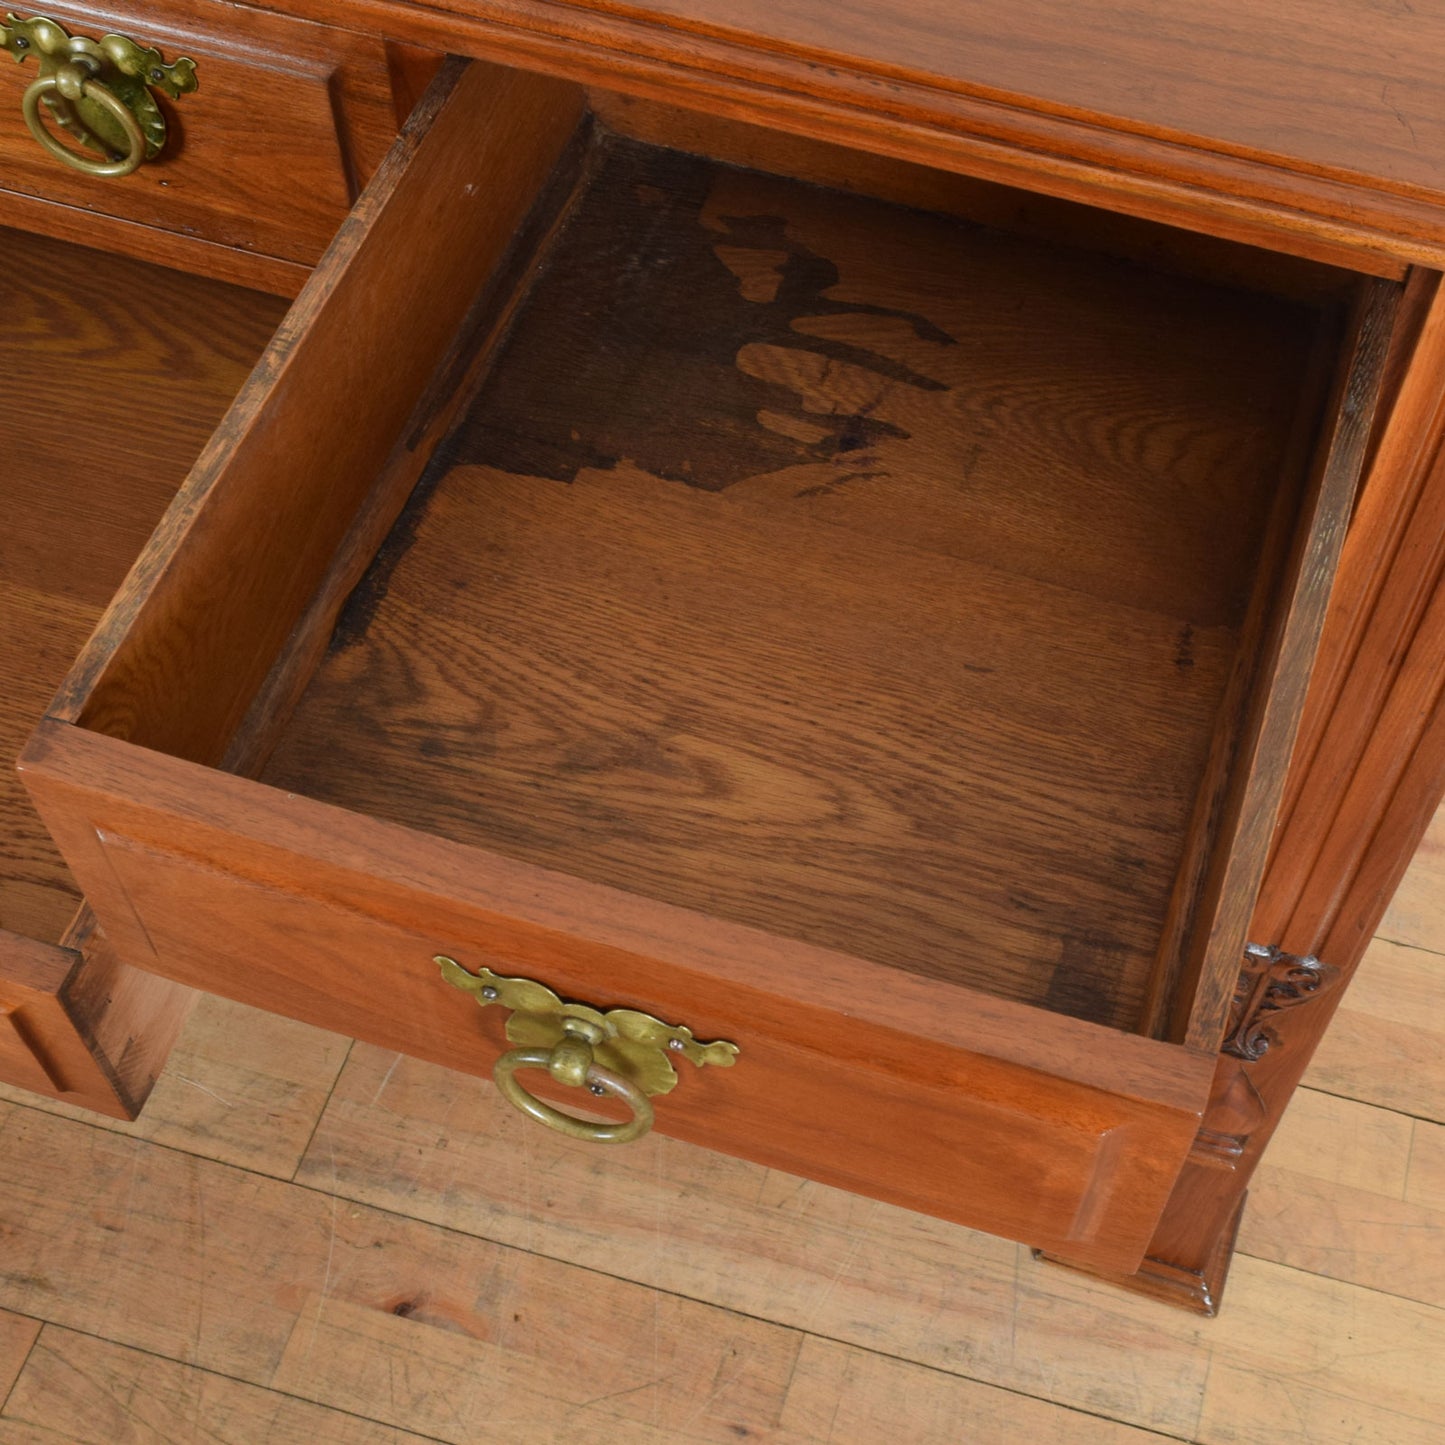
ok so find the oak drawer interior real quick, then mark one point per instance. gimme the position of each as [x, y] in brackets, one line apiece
[817, 563]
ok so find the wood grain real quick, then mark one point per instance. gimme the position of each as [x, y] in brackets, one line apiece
[176, 349]
[728, 622]
[1308, 122]
[1416, 915]
[1233, 80]
[284, 1287]
[90, 1392]
[1368, 771]
[1368, 717]
[1333, 1197]
[474, 1334]
[118, 237]
[404, 1135]
[910, 1289]
[760, 1241]
[213, 860]
[1394, 1011]
[1305, 560]
[39, 635]
[420, 1143]
[173, 349]
[1027, 1122]
[1020, 212]
[1322, 1390]
[203, 620]
[288, 122]
[274, 1285]
[840, 1394]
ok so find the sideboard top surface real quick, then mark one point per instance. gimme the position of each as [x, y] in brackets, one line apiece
[1350, 85]
[1328, 114]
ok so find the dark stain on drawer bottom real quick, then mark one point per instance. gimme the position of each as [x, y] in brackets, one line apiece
[638, 329]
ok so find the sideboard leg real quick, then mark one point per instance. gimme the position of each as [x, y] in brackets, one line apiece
[1367, 775]
[1282, 1006]
[1196, 1284]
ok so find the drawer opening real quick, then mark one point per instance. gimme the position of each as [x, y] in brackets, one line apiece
[106, 406]
[914, 574]
[72, 530]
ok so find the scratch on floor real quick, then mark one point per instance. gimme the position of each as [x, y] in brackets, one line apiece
[195, 1084]
[385, 1080]
[855, 1246]
[723, 1379]
[330, 1256]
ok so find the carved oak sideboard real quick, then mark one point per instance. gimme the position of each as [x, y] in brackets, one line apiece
[861, 586]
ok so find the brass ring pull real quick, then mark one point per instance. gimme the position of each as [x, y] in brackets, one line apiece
[98, 92]
[570, 1062]
[72, 83]
[622, 1052]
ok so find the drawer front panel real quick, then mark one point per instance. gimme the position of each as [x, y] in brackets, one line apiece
[266, 156]
[995, 1115]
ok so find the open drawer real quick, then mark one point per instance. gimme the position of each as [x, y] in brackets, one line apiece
[846, 630]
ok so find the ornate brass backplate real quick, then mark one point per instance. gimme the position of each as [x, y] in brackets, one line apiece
[635, 1045]
[98, 91]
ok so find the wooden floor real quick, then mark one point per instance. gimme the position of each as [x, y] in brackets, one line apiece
[311, 1241]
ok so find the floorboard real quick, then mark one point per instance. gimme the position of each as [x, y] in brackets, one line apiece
[1333, 1198]
[78, 1390]
[1386, 1044]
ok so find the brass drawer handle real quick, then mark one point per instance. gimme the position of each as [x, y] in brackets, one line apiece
[69, 85]
[623, 1053]
[571, 1062]
[97, 92]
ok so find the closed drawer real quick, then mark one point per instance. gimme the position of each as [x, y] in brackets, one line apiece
[849, 632]
[264, 159]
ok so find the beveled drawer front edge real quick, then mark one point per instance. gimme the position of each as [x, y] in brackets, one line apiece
[63, 222]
